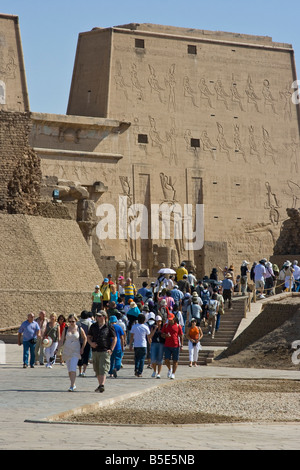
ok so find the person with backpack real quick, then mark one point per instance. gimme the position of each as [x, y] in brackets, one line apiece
[194, 310]
[212, 309]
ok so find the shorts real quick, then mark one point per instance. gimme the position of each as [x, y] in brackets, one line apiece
[259, 284]
[101, 362]
[171, 353]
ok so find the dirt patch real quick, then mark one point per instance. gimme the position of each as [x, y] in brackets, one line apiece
[204, 401]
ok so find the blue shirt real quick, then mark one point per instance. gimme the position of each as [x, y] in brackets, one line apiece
[119, 332]
[176, 294]
[227, 284]
[29, 330]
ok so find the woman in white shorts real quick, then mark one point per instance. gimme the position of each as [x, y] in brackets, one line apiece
[73, 340]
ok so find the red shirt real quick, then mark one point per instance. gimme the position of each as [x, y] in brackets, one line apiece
[175, 331]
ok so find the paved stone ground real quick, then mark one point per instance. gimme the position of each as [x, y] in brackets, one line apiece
[28, 397]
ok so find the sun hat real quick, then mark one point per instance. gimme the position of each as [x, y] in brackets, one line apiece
[105, 279]
[113, 319]
[47, 342]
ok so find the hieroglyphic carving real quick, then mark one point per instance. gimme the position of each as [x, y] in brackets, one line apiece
[252, 142]
[267, 145]
[237, 142]
[168, 189]
[205, 92]
[136, 85]
[156, 140]
[293, 147]
[153, 82]
[272, 205]
[286, 96]
[207, 145]
[188, 92]
[269, 100]
[170, 83]
[251, 95]
[171, 137]
[223, 146]
[293, 192]
[119, 79]
[187, 137]
[221, 93]
[235, 95]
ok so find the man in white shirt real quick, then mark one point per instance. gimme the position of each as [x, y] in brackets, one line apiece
[259, 278]
[296, 275]
[138, 339]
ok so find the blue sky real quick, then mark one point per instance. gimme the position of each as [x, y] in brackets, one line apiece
[49, 31]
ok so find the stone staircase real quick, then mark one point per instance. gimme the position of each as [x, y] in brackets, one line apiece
[228, 326]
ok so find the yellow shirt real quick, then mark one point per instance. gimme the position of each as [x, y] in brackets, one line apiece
[180, 272]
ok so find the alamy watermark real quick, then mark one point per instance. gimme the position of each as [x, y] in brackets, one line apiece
[296, 94]
[161, 221]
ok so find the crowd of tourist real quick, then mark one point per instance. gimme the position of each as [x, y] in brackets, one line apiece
[151, 320]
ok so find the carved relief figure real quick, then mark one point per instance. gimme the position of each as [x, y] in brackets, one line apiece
[207, 145]
[272, 204]
[153, 82]
[187, 90]
[136, 86]
[237, 142]
[119, 79]
[155, 137]
[294, 192]
[251, 95]
[223, 146]
[168, 189]
[286, 96]
[269, 99]
[205, 92]
[187, 137]
[235, 96]
[171, 137]
[170, 83]
[269, 150]
[293, 155]
[252, 143]
[221, 93]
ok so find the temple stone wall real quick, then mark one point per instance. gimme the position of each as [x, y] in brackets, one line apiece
[212, 123]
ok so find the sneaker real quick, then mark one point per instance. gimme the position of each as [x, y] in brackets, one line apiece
[169, 373]
[72, 389]
[153, 374]
[83, 374]
[172, 376]
[115, 373]
[158, 376]
[100, 389]
[25, 366]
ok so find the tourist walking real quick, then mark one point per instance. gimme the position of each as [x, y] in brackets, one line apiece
[194, 336]
[29, 332]
[244, 277]
[96, 300]
[39, 348]
[62, 324]
[157, 347]
[212, 309]
[117, 354]
[227, 288]
[52, 331]
[102, 339]
[259, 278]
[85, 323]
[173, 334]
[73, 340]
[138, 340]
